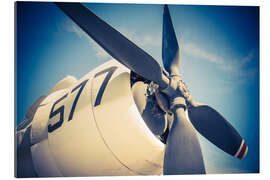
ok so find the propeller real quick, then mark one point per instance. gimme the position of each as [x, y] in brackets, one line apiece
[207, 121]
[183, 153]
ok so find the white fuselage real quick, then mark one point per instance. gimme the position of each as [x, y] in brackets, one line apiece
[92, 127]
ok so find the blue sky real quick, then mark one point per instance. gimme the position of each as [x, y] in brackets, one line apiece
[219, 59]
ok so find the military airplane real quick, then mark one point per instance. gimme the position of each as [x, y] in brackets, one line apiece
[129, 116]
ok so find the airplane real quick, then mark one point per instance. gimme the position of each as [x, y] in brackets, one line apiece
[129, 116]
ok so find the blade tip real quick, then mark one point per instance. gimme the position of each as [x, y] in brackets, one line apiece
[165, 6]
[242, 151]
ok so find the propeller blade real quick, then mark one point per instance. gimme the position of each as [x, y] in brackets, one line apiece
[170, 48]
[217, 130]
[183, 152]
[114, 43]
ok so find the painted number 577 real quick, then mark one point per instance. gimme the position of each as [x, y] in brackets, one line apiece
[60, 110]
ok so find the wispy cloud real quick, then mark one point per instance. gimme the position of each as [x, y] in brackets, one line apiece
[73, 28]
[193, 50]
[236, 68]
[237, 64]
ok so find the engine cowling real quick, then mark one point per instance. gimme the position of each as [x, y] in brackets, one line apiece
[106, 135]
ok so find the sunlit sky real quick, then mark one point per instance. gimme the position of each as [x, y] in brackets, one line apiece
[219, 60]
